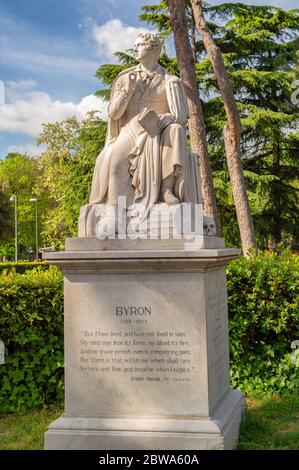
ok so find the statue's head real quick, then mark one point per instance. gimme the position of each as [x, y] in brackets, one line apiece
[147, 43]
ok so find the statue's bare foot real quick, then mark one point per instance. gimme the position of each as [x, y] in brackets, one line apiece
[169, 197]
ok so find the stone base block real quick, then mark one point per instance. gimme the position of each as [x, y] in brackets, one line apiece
[146, 349]
[118, 244]
[221, 431]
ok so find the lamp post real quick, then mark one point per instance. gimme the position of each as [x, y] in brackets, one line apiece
[33, 199]
[14, 199]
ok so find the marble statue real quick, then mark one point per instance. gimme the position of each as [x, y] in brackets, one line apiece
[128, 302]
[145, 158]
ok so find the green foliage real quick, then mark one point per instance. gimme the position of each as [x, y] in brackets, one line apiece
[259, 48]
[263, 319]
[31, 327]
[18, 176]
[22, 266]
[157, 16]
[66, 172]
[6, 217]
[7, 249]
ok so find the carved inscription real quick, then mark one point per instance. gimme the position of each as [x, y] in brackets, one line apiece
[218, 310]
[139, 356]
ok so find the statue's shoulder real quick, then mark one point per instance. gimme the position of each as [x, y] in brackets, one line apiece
[125, 72]
[170, 78]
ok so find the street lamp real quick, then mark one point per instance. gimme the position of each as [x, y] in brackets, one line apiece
[33, 199]
[15, 200]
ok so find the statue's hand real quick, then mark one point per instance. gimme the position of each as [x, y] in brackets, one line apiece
[130, 82]
[164, 121]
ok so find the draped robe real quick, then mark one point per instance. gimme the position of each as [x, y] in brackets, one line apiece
[146, 165]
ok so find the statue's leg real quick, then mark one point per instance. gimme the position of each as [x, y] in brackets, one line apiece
[120, 181]
[119, 185]
[173, 145]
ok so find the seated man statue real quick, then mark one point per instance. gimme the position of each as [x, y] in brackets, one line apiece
[146, 161]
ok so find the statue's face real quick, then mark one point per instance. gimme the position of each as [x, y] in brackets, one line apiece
[141, 49]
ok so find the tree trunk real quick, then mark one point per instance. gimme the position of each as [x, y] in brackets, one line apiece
[231, 132]
[193, 39]
[196, 121]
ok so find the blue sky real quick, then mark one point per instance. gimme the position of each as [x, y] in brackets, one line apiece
[49, 53]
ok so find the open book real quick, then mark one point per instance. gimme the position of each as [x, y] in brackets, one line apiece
[148, 119]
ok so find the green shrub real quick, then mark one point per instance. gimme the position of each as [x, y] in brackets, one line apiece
[263, 322]
[22, 266]
[31, 326]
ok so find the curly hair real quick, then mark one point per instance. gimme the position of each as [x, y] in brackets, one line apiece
[152, 41]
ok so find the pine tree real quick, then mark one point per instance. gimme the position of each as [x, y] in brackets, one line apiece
[259, 48]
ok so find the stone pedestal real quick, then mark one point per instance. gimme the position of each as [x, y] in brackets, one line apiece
[146, 350]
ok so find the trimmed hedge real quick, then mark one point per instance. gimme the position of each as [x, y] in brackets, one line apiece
[22, 266]
[263, 322]
[31, 327]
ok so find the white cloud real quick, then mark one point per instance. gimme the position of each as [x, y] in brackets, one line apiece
[26, 115]
[91, 102]
[21, 84]
[17, 89]
[113, 36]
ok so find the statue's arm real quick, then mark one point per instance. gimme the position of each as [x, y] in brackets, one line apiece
[177, 100]
[121, 95]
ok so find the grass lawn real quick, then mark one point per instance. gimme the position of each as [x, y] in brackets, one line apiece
[26, 431]
[269, 424]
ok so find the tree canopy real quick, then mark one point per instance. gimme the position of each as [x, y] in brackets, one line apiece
[18, 176]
